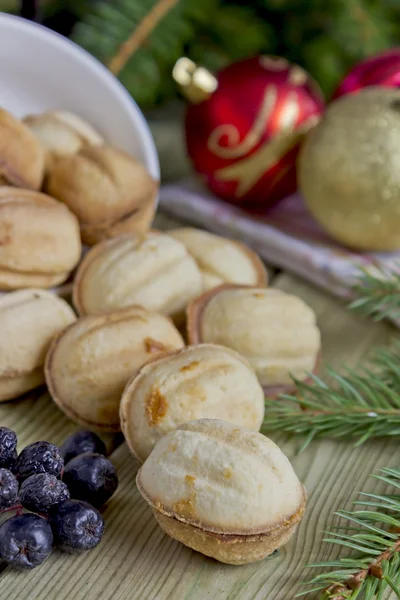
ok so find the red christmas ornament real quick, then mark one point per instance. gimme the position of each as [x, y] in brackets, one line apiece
[383, 70]
[244, 138]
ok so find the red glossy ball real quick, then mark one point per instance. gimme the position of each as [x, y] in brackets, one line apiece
[383, 70]
[244, 139]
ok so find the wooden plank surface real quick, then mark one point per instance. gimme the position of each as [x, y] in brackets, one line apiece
[137, 561]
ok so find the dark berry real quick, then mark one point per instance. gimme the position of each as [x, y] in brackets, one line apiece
[39, 493]
[80, 442]
[25, 541]
[76, 526]
[91, 477]
[12, 462]
[40, 457]
[8, 489]
[8, 447]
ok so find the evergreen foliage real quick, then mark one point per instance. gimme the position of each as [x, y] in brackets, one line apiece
[378, 294]
[372, 533]
[326, 37]
[360, 404]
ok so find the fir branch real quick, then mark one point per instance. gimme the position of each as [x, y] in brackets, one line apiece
[372, 531]
[139, 34]
[378, 293]
[219, 41]
[361, 404]
[142, 39]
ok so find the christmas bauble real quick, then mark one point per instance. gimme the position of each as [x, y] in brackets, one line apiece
[349, 171]
[383, 70]
[244, 138]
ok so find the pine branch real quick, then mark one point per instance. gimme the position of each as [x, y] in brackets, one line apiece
[378, 293]
[360, 404]
[218, 43]
[142, 39]
[372, 531]
[140, 34]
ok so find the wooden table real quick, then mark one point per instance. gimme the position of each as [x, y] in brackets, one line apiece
[137, 561]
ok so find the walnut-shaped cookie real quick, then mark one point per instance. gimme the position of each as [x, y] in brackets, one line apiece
[109, 191]
[21, 155]
[155, 271]
[223, 490]
[275, 331]
[61, 132]
[222, 260]
[196, 382]
[29, 320]
[39, 240]
[89, 364]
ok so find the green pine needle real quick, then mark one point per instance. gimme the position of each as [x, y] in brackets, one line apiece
[210, 32]
[374, 565]
[147, 73]
[378, 293]
[360, 404]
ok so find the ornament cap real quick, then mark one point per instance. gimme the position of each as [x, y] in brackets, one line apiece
[196, 83]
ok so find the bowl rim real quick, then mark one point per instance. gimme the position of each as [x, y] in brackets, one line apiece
[24, 26]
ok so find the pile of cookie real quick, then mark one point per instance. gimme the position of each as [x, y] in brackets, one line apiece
[175, 336]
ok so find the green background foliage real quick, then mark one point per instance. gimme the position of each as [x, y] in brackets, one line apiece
[325, 37]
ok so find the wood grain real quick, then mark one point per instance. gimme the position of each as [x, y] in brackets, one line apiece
[137, 561]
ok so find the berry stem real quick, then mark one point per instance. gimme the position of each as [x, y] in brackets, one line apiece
[17, 507]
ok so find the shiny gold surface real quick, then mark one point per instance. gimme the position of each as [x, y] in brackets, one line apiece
[196, 83]
[349, 170]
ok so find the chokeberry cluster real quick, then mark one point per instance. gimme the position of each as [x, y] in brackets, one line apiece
[62, 488]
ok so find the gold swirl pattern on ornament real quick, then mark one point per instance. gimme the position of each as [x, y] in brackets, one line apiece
[289, 113]
[235, 148]
[296, 75]
[248, 172]
[273, 63]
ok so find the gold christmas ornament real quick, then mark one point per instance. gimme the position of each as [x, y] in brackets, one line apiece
[223, 490]
[348, 170]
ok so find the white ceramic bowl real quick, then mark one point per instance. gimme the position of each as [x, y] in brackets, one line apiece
[41, 70]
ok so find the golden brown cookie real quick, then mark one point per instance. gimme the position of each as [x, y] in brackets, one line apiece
[29, 319]
[39, 240]
[275, 331]
[107, 189]
[88, 366]
[155, 271]
[21, 155]
[196, 382]
[222, 260]
[61, 132]
[223, 490]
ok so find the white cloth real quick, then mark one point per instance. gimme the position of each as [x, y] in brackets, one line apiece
[286, 237]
